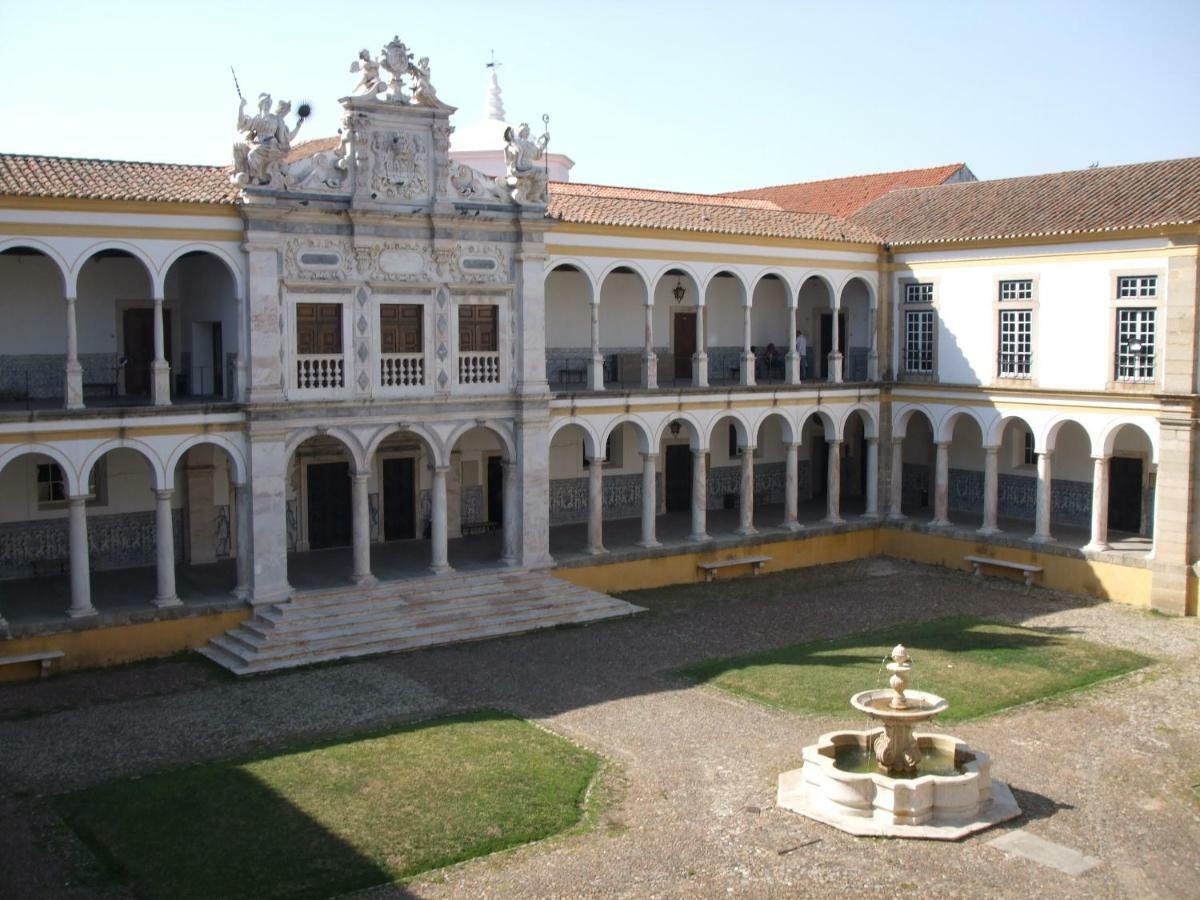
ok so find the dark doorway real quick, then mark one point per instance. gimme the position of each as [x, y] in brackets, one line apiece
[328, 505]
[399, 499]
[139, 348]
[820, 469]
[827, 340]
[677, 484]
[218, 361]
[495, 490]
[1125, 494]
[685, 344]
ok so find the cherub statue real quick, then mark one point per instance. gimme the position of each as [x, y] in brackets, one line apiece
[524, 182]
[423, 93]
[370, 84]
[258, 159]
[396, 61]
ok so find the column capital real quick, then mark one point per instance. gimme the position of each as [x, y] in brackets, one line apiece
[439, 469]
[942, 444]
[794, 445]
[871, 440]
[164, 493]
[77, 499]
[748, 450]
[1044, 453]
[650, 457]
[70, 298]
[699, 451]
[833, 440]
[1102, 460]
[360, 476]
[991, 451]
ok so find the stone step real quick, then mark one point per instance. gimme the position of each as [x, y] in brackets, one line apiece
[481, 632]
[449, 626]
[403, 586]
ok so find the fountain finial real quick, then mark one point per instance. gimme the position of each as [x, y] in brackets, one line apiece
[900, 666]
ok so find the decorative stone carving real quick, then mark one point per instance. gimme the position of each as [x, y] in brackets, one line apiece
[370, 83]
[524, 182]
[259, 159]
[401, 164]
[472, 185]
[396, 261]
[396, 61]
[423, 92]
[481, 262]
[318, 259]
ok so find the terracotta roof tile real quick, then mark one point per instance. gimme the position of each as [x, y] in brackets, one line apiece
[1088, 200]
[591, 204]
[846, 196]
[105, 179]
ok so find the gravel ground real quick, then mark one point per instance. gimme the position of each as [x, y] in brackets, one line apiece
[688, 803]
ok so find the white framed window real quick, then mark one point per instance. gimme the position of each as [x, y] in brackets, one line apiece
[1029, 454]
[52, 485]
[1135, 344]
[918, 292]
[1016, 289]
[1137, 286]
[1016, 343]
[918, 340]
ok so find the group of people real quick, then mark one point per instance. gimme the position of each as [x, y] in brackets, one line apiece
[771, 362]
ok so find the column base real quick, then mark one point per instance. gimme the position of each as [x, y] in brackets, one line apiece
[940, 523]
[167, 602]
[1094, 548]
[266, 598]
[240, 593]
[161, 383]
[871, 516]
[835, 368]
[792, 526]
[834, 520]
[364, 580]
[597, 551]
[700, 370]
[1041, 539]
[895, 517]
[650, 371]
[511, 561]
[649, 545]
[82, 613]
[596, 374]
[748, 370]
[74, 386]
[987, 531]
[700, 537]
[746, 531]
[441, 569]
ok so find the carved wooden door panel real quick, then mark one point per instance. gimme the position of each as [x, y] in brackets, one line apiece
[318, 328]
[478, 328]
[401, 328]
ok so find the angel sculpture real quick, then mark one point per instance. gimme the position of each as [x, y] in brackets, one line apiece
[370, 84]
[423, 93]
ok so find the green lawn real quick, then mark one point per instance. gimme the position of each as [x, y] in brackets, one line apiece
[337, 817]
[980, 667]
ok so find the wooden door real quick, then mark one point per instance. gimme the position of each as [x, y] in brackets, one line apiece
[400, 328]
[1125, 494]
[478, 328]
[677, 481]
[685, 343]
[138, 327]
[318, 328]
[495, 490]
[826, 343]
[399, 499]
[329, 523]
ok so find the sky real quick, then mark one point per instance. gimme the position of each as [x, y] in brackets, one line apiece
[701, 96]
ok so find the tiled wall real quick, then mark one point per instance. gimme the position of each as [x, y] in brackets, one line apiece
[114, 542]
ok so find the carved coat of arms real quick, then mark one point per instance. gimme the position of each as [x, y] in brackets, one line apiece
[401, 166]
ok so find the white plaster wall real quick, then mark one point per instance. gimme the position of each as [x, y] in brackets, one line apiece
[568, 313]
[107, 286]
[31, 302]
[770, 321]
[622, 311]
[723, 315]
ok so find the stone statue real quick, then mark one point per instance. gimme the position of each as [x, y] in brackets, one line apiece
[397, 62]
[260, 157]
[371, 83]
[424, 94]
[524, 182]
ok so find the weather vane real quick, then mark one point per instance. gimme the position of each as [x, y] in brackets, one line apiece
[494, 64]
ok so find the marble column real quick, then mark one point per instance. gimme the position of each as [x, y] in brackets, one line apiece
[241, 511]
[835, 356]
[699, 496]
[746, 506]
[791, 489]
[700, 359]
[793, 357]
[511, 524]
[360, 516]
[896, 484]
[1099, 539]
[649, 357]
[596, 505]
[747, 353]
[941, 486]
[81, 577]
[73, 376]
[160, 368]
[164, 544]
[439, 545]
[596, 368]
[834, 488]
[1041, 532]
[649, 500]
[872, 464]
[991, 490]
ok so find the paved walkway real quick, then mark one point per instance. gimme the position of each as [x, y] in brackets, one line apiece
[687, 802]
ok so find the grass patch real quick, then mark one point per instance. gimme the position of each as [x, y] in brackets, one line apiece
[980, 667]
[337, 817]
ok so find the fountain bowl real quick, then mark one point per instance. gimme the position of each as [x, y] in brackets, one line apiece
[921, 706]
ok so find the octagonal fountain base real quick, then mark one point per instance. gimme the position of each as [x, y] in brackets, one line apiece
[949, 797]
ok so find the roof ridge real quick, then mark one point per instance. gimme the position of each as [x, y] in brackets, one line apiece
[770, 187]
[1036, 175]
[125, 162]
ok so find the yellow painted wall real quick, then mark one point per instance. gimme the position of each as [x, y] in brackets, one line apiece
[120, 644]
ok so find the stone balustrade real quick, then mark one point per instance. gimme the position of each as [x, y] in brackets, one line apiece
[320, 371]
[401, 370]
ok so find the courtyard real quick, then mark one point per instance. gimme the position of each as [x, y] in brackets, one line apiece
[686, 715]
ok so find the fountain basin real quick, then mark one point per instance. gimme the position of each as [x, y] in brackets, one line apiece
[921, 707]
[942, 807]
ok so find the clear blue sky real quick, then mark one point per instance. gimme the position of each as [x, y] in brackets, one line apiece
[700, 96]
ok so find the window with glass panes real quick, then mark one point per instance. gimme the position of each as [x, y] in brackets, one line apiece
[1017, 289]
[918, 340]
[1016, 343]
[1135, 345]
[1137, 286]
[918, 293]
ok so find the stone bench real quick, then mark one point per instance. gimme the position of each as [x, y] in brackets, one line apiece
[710, 569]
[45, 657]
[978, 562]
[484, 527]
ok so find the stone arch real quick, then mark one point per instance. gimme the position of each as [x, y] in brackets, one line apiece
[1047, 440]
[696, 431]
[152, 271]
[612, 267]
[872, 294]
[1108, 437]
[498, 428]
[737, 274]
[746, 433]
[643, 430]
[591, 442]
[829, 422]
[232, 267]
[236, 455]
[902, 416]
[158, 472]
[346, 438]
[789, 429]
[995, 432]
[870, 423]
[685, 269]
[64, 270]
[68, 468]
[437, 452]
[823, 277]
[778, 273]
[944, 431]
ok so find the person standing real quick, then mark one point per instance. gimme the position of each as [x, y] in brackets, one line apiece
[802, 352]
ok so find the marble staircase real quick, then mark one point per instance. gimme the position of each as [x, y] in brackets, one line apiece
[319, 626]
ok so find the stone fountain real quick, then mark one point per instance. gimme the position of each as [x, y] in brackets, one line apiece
[892, 781]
